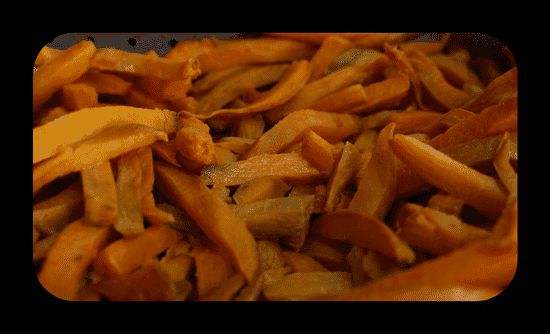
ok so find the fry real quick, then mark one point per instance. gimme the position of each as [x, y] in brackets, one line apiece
[302, 263]
[319, 152]
[118, 61]
[326, 85]
[69, 129]
[53, 214]
[253, 51]
[219, 223]
[434, 81]
[331, 127]
[327, 252]
[73, 251]
[184, 50]
[194, 142]
[124, 255]
[506, 172]
[77, 96]
[291, 82]
[290, 167]
[260, 189]
[139, 99]
[304, 286]
[100, 195]
[378, 186]
[213, 267]
[226, 290]
[111, 142]
[343, 100]
[503, 86]
[236, 85]
[329, 50]
[482, 192]
[434, 231]
[363, 231]
[105, 83]
[166, 150]
[251, 127]
[349, 164]
[270, 255]
[456, 72]
[490, 121]
[128, 189]
[63, 69]
[446, 203]
[46, 55]
[213, 78]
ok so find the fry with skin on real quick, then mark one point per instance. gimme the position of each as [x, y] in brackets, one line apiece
[70, 65]
[484, 193]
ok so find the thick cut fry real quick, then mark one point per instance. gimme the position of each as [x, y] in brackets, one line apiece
[304, 286]
[349, 164]
[110, 59]
[290, 167]
[319, 152]
[332, 127]
[327, 252]
[384, 94]
[266, 278]
[106, 83]
[53, 214]
[194, 142]
[270, 255]
[484, 193]
[73, 251]
[282, 217]
[50, 114]
[446, 203]
[260, 189]
[111, 142]
[253, 51]
[363, 231]
[434, 231]
[78, 96]
[75, 126]
[355, 259]
[330, 49]
[492, 120]
[503, 86]
[465, 266]
[226, 290]
[301, 262]
[378, 186]
[166, 150]
[237, 85]
[124, 255]
[434, 81]
[128, 190]
[46, 55]
[64, 69]
[100, 195]
[212, 214]
[326, 85]
[213, 267]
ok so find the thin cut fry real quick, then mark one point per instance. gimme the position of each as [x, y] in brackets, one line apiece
[363, 231]
[100, 195]
[64, 69]
[110, 59]
[483, 192]
[496, 91]
[456, 72]
[332, 127]
[194, 142]
[290, 167]
[301, 262]
[349, 164]
[293, 80]
[344, 100]
[434, 231]
[219, 223]
[73, 251]
[319, 152]
[251, 127]
[184, 50]
[490, 121]
[69, 129]
[111, 142]
[329, 50]
[268, 277]
[304, 286]
[326, 85]
[434, 81]
[260, 189]
[226, 290]
[506, 172]
[253, 51]
[166, 150]
[106, 83]
[213, 78]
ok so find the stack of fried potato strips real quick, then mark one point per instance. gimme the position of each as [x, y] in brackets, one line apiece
[356, 166]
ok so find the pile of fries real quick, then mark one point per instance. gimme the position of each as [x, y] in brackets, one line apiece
[289, 166]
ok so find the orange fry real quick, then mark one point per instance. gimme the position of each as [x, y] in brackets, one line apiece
[481, 191]
[344, 100]
[503, 86]
[128, 189]
[100, 195]
[70, 65]
[330, 49]
[434, 81]
[349, 164]
[385, 94]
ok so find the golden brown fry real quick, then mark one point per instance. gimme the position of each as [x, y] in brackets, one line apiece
[498, 89]
[105, 83]
[349, 164]
[330, 49]
[77, 96]
[260, 189]
[319, 152]
[128, 190]
[62, 70]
